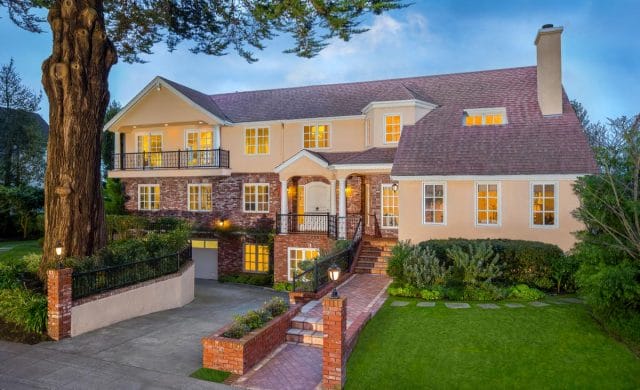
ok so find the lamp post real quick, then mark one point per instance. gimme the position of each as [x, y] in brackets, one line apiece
[334, 275]
[59, 250]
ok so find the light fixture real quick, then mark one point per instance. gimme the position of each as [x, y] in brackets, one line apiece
[394, 187]
[59, 249]
[166, 124]
[334, 275]
[348, 191]
[135, 127]
[221, 222]
[158, 87]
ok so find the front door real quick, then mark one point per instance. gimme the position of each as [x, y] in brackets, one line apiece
[316, 199]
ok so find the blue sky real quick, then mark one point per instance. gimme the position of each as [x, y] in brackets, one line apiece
[601, 52]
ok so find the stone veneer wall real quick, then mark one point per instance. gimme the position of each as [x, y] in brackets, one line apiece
[227, 197]
[284, 241]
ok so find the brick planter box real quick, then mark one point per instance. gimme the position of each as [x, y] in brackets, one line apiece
[239, 355]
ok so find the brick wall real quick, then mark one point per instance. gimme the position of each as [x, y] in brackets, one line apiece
[227, 197]
[334, 323]
[284, 241]
[239, 355]
[59, 303]
[230, 252]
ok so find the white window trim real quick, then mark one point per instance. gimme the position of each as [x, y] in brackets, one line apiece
[198, 131]
[444, 205]
[244, 185]
[556, 193]
[244, 259]
[328, 124]
[200, 210]
[151, 132]
[382, 207]
[140, 199]
[483, 112]
[475, 205]
[244, 140]
[289, 258]
[384, 128]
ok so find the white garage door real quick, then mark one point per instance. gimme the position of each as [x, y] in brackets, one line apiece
[205, 257]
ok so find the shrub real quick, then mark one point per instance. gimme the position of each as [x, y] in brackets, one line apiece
[24, 308]
[399, 253]
[431, 295]
[563, 271]
[483, 292]
[525, 293]
[236, 331]
[479, 265]
[256, 319]
[276, 306]
[422, 269]
[283, 286]
[248, 278]
[403, 290]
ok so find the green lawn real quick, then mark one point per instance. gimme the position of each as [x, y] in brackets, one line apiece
[557, 346]
[18, 249]
[211, 375]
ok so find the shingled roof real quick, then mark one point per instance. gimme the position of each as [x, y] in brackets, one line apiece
[438, 144]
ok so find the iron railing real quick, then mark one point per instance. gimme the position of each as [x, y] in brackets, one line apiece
[317, 223]
[92, 282]
[177, 159]
[317, 276]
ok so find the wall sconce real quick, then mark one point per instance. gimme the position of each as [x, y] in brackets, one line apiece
[222, 222]
[394, 187]
[348, 191]
[291, 191]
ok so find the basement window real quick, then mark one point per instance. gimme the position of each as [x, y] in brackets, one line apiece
[484, 116]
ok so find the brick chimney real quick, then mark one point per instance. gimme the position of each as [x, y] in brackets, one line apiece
[548, 44]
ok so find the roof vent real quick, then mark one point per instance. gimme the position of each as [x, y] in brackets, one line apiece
[549, 25]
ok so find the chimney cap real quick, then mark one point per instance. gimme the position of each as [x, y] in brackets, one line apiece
[548, 25]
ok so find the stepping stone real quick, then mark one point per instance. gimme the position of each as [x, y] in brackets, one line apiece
[399, 303]
[488, 305]
[426, 304]
[538, 304]
[572, 300]
[514, 305]
[457, 305]
[556, 302]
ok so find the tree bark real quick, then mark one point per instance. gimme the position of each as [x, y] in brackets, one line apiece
[75, 81]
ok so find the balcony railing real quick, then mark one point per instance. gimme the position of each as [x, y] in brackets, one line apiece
[317, 223]
[177, 159]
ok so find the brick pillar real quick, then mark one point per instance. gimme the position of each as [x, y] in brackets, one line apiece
[59, 303]
[334, 322]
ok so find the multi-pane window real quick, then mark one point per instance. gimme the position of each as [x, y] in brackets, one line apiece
[544, 203]
[256, 198]
[297, 256]
[316, 136]
[256, 140]
[148, 197]
[392, 128]
[199, 144]
[477, 117]
[256, 258]
[390, 209]
[199, 197]
[434, 203]
[487, 204]
[149, 147]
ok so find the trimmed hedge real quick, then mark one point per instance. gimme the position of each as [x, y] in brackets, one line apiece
[524, 262]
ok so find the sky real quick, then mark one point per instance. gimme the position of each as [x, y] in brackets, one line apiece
[600, 52]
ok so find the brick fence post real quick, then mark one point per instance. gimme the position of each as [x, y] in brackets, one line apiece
[334, 323]
[59, 303]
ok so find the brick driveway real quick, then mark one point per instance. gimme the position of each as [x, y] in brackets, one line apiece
[298, 366]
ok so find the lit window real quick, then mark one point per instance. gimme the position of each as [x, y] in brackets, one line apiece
[434, 203]
[148, 197]
[487, 204]
[256, 198]
[543, 204]
[485, 117]
[199, 197]
[256, 258]
[316, 136]
[392, 128]
[297, 256]
[390, 209]
[149, 147]
[256, 140]
[198, 144]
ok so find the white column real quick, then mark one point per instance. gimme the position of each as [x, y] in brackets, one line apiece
[216, 137]
[284, 205]
[116, 149]
[342, 209]
[332, 199]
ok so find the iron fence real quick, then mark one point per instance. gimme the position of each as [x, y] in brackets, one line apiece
[178, 159]
[92, 282]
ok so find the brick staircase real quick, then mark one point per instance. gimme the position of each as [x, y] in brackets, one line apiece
[306, 330]
[374, 254]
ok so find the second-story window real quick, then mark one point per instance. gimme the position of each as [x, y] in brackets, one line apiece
[316, 136]
[149, 148]
[392, 128]
[256, 140]
[198, 144]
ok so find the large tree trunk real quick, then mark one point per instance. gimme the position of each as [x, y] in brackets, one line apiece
[75, 81]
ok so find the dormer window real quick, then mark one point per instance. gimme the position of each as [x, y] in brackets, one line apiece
[485, 116]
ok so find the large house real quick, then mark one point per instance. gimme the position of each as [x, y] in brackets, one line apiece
[488, 154]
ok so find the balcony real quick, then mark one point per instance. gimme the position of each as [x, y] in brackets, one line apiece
[178, 159]
[318, 223]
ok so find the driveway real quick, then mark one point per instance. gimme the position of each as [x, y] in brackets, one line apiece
[158, 350]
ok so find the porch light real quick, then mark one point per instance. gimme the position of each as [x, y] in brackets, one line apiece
[59, 249]
[221, 222]
[394, 187]
[334, 275]
[348, 191]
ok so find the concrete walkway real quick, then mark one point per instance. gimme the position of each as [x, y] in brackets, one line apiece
[298, 366]
[159, 350]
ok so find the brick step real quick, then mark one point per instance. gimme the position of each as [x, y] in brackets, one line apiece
[375, 271]
[377, 252]
[302, 336]
[307, 323]
[373, 257]
[372, 265]
[379, 245]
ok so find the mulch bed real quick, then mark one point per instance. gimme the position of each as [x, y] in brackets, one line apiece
[15, 333]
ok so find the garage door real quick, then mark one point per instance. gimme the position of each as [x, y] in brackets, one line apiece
[205, 257]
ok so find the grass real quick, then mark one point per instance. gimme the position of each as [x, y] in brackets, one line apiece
[18, 249]
[211, 375]
[558, 346]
